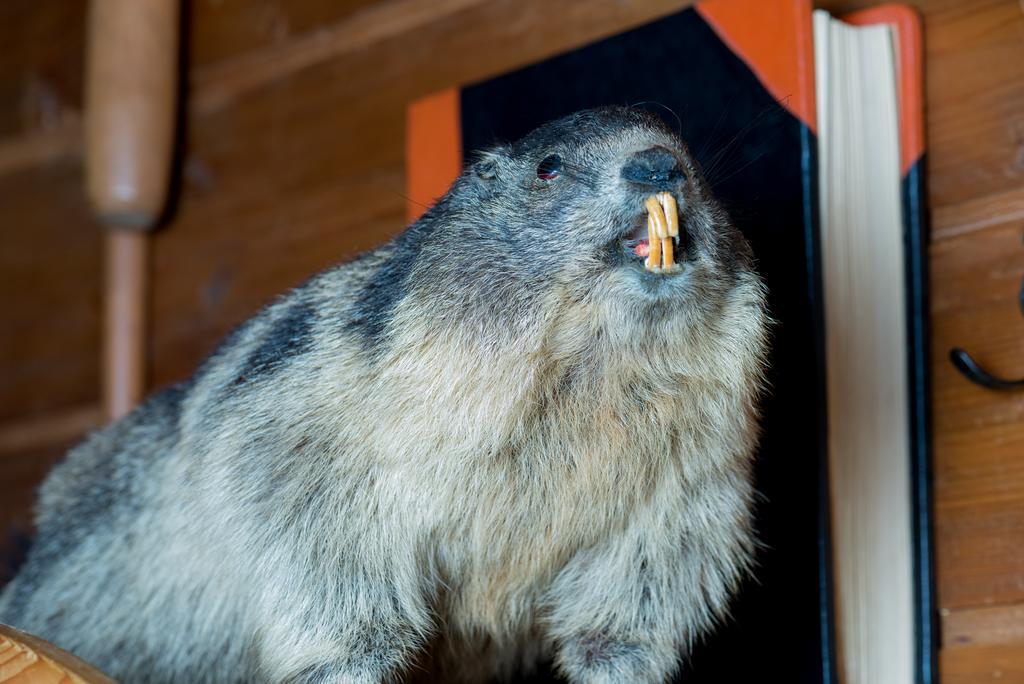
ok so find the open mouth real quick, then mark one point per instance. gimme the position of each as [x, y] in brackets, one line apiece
[655, 239]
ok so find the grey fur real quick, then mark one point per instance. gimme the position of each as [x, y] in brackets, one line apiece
[495, 438]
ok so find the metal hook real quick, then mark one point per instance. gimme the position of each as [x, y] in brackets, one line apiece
[978, 375]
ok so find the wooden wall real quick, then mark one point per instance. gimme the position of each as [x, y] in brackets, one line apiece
[292, 160]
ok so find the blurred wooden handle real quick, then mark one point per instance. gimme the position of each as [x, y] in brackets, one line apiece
[130, 114]
[125, 318]
[131, 87]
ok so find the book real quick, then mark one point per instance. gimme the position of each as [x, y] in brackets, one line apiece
[743, 94]
[868, 84]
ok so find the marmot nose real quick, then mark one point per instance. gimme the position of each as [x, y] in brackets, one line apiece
[656, 167]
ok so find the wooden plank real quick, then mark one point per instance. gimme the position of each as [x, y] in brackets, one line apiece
[975, 76]
[52, 429]
[975, 287]
[216, 85]
[978, 550]
[40, 147]
[223, 29]
[979, 465]
[979, 433]
[40, 64]
[984, 626]
[990, 210]
[49, 291]
[1002, 663]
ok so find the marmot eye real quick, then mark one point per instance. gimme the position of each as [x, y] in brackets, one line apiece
[549, 168]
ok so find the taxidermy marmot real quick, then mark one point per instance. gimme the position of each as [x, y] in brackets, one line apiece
[520, 431]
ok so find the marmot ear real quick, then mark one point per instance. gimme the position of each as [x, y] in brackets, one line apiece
[488, 162]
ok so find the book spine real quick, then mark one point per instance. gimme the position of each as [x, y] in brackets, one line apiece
[915, 217]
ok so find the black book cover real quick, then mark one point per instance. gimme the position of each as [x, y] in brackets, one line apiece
[757, 148]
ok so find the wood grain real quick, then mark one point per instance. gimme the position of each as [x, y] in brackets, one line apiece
[51, 429]
[27, 659]
[978, 549]
[218, 84]
[958, 219]
[41, 74]
[40, 64]
[222, 29]
[1003, 624]
[975, 287]
[49, 289]
[37, 148]
[1000, 664]
[975, 80]
[979, 434]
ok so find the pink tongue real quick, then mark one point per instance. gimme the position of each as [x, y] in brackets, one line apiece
[643, 248]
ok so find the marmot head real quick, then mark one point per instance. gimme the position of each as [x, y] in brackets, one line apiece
[562, 216]
[569, 202]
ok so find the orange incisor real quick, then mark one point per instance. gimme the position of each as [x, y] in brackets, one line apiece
[662, 229]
